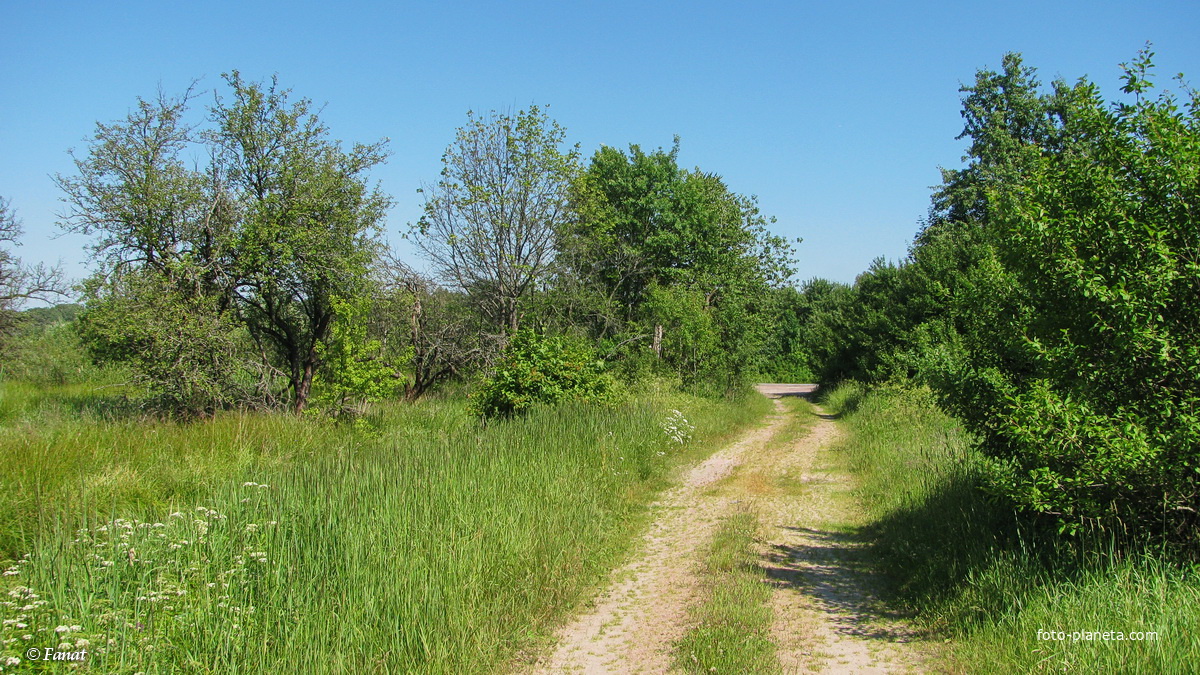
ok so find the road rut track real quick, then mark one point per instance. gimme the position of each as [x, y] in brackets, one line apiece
[825, 616]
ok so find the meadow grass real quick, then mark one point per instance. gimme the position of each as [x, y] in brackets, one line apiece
[418, 540]
[731, 631]
[971, 571]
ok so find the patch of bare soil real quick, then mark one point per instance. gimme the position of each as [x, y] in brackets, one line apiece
[824, 617]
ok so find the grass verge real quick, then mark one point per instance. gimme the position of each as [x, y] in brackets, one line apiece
[1010, 596]
[419, 541]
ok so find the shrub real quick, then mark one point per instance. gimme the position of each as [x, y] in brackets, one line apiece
[537, 369]
[190, 357]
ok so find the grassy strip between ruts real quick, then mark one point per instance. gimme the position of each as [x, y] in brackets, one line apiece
[732, 624]
[417, 541]
[1010, 598]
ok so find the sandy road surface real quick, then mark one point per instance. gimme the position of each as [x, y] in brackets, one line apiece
[823, 608]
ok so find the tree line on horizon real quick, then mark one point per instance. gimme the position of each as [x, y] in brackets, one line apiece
[258, 276]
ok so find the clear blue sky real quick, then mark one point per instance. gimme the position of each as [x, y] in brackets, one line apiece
[836, 115]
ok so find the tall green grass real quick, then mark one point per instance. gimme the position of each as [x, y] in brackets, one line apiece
[731, 631]
[996, 585]
[419, 541]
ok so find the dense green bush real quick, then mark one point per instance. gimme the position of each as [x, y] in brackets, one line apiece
[1049, 302]
[189, 358]
[1101, 233]
[970, 571]
[541, 369]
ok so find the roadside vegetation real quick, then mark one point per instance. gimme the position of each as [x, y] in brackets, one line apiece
[1011, 594]
[420, 540]
[1021, 389]
[260, 442]
[1047, 302]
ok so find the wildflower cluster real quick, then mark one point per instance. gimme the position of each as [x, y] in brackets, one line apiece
[29, 621]
[677, 428]
[140, 588]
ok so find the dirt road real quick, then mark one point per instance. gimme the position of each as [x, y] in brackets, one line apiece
[824, 616]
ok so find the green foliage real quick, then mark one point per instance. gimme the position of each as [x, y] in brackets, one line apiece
[45, 349]
[310, 224]
[46, 316]
[541, 370]
[353, 371]
[694, 347]
[191, 359]
[216, 282]
[1101, 234]
[1049, 301]
[669, 261]
[489, 223]
[972, 573]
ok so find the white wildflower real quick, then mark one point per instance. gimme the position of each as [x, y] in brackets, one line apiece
[677, 428]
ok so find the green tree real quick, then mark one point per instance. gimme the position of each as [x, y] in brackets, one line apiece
[652, 239]
[135, 194]
[947, 314]
[247, 257]
[812, 338]
[354, 371]
[160, 297]
[490, 222]
[1101, 234]
[309, 222]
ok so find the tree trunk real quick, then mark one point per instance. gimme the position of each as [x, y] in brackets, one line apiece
[304, 386]
[658, 337]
